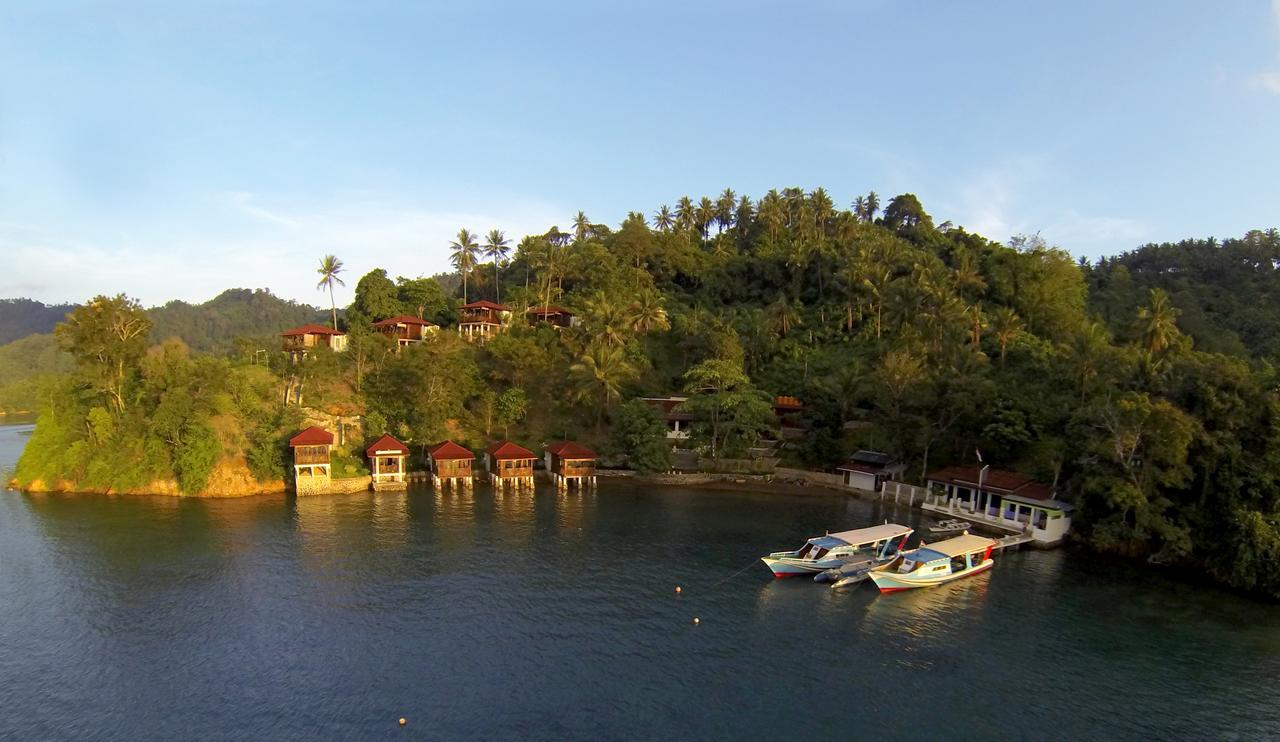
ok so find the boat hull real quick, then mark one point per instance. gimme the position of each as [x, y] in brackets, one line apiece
[892, 582]
[791, 567]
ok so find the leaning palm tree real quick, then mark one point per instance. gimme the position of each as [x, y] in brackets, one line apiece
[329, 269]
[496, 248]
[599, 375]
[463, 252]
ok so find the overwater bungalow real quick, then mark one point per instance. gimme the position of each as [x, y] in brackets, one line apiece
[1005, 499]
[405, 330]
[450, 465]
[481, 320]
[311, 447]
[509, 464]
[869, 470]
[300, 340]
[570, 463]
[387, 460]
[676, 420]
[557, 317]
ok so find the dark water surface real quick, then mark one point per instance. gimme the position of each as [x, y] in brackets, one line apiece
[546, 616]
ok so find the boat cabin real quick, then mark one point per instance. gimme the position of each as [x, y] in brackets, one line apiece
[934, 564]
[677, 421]
[301, 340]
[450, 465]
[570, 463]
[311, 448]
[1006, 499]
[557, 317]
[388, 458]
[481, 320]
[863, 546]
[509, 464]
[869, 470]
[405, 330]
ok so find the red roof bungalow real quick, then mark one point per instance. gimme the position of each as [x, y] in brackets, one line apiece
[387, 459]
[450, 464]
[405, 330]
[299, 340]
[311, 460]
[481, 320]
[508, 462]
[557, 317]
[570, 462]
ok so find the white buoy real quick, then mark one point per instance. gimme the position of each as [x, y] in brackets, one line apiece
[678, 588]
[403, 721]
[696, 620]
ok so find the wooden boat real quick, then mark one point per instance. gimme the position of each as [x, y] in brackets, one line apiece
[834, 550]
[950, 526]
[935, 564]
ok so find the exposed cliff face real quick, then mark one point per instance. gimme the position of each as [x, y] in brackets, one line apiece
[230, 478]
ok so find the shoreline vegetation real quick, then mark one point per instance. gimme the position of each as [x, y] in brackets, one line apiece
[1143, 387]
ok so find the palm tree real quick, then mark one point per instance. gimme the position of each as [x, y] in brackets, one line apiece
[1158, 323]
[648, 314]
[968, 277]
[1006, 324]
[873, 205]
[606, 320]
[581, 227]
[782, 316]
[704, 214]
[663, 219]
[463, 252]
[724, 210]
[600, 374]
[859, 206]
[684, 213]
[329, 269]
[770, 211]
[496, 248]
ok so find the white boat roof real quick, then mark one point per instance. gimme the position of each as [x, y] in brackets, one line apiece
[960, 545]
[871, 535]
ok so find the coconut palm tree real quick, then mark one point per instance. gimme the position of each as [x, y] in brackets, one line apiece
[329, 269]
[1084, 352]
[1006, 325]
[648, 314]
[704, 214]
[599, 375]
[463, 253]
[663, 219]
[581, 227]
[1158, 323]
[859, 207]
[873, 205]
[496, 248]
[684, 213]
[724, 210]
[782, 316]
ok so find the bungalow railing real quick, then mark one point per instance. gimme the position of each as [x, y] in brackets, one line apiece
[308, 458]
[581, 470]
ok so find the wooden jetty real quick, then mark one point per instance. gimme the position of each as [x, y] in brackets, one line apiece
[569, 463]
[451, 466]
[509, 465]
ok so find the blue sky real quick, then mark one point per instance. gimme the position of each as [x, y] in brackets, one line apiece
[175, 149]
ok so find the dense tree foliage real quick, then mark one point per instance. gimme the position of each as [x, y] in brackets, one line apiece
[22, 317]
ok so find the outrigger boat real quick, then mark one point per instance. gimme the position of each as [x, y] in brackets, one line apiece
[950, 526]
[862, 546]
[935, 564]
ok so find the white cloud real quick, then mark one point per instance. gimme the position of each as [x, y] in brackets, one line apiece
[1269, 80]
[267, 247]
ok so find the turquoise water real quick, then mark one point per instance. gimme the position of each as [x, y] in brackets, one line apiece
[549, 616]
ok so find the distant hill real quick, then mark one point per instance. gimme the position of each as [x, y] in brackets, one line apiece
[22, 317]
[1228, 291]
[214, 326]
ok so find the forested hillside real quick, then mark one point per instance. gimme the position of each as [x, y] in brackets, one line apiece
[22, 317]
[895, 332]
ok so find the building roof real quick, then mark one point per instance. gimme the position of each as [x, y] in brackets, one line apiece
[506, 450]
[787, 403]
[571, 450]
[1000, 481]
[403, 319]
[869, 462]
[311, 329]
[312, 436]
[387, 446]
[449, 451]
[486, 304]
[963, 544]
[549, 310]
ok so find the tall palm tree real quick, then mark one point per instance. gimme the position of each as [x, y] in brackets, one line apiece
[496, 248]
[704, 214]
[1006, 325]
[782, 316]
[873, 205]
[581, 227]
[724, 209]
[663, 219]
[600, 374]
[684, 213]
[463, 253]
[1158, 323]
[648, 314]
[859, 207]
[1084, 352]
[329, 269]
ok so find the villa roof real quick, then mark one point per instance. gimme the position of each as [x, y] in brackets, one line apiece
[571, 450]
[506, 450]
[486, 304]
[549, 310]
[311, 329]
[787, 403]
[963, 544]
[403, 319]
[386, 446]
[449, 451]
[312, 436]
[868, 462]
[999, 481]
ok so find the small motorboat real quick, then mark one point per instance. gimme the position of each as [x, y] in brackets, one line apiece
[935, 564]
[950, 526]
[867, 546]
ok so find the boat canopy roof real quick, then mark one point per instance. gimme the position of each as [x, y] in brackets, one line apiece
[960, 545]
[925, 554]
[861, 536]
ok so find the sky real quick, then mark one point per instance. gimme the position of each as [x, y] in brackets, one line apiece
[172, 150]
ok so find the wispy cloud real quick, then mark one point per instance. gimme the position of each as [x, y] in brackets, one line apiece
[1269, 80]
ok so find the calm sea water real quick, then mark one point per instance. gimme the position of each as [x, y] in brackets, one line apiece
[546, 616]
